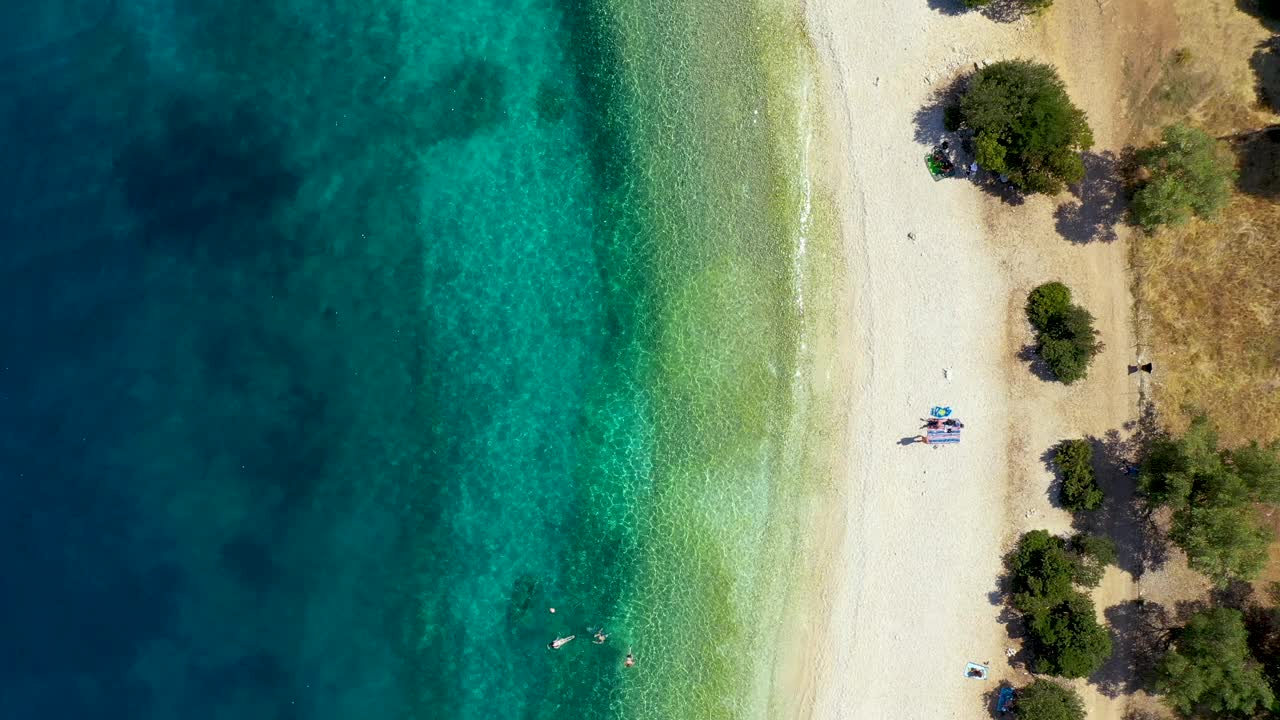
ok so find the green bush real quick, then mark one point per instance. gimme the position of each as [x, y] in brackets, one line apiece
[1223, 543]
[1047, 700]
[1047, 302]
[1211, 492]
[1092, 555]
[1067, 639]
[1025, 126]
[1044, 569]
[1041, 572]
[1210, 670]
[1190, 174]
[1080, 491]
[1065, 338]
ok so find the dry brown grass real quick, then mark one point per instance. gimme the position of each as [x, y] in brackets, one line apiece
[1209, 292]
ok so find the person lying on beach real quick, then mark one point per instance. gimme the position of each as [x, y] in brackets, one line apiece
[559, 642]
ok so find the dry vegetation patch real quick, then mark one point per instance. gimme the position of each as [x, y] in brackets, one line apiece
[1210, 292]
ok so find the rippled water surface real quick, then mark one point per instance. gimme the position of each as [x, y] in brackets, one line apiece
[344, 339]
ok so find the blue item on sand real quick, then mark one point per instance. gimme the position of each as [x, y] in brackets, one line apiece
[1004, 701]
[939, 411]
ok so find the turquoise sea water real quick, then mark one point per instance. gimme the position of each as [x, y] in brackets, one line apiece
[346, 339]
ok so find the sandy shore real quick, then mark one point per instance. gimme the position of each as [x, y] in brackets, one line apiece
[920, 551]
[911, 589]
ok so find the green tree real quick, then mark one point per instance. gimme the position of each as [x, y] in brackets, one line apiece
[1061, 624]
[1046, 302]
[1065, 339]
[1209, 667]
[1223, 543]
[1067, 638]
[1025, 126]
[1092, 554]
[1080, 491]
[1259, 468]
[1041, 571]
[1211, 492]
[1044, 569]
[1190, 174]
[1047, 700]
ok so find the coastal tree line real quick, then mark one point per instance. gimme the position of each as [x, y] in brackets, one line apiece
[1219, 661]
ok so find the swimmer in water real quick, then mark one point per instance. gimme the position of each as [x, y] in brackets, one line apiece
[631, 659]
[559, 642]
[600, 637]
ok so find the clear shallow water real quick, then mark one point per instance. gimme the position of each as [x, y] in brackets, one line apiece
[344, 339]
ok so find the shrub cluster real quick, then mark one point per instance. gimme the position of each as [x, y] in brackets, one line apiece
[1047, 700]
[1188, 173]
[1210, 670]
[1211, 492]
[1024, 125]
[1061, 624]
[1065, 337]
[1080, 491]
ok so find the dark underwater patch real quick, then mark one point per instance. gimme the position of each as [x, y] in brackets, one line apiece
[208, 183]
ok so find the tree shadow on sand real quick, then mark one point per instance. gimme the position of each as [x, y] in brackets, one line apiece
[1004, 11]
[1125, 516]
[929, 120]
[1265, 62]
[1099, 204]
[1258, 153]
[1035, 363]
[1140, 632]
[1250, 7]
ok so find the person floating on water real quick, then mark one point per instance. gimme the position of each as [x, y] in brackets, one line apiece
[631, 659]
[600, 637]
[559, 642]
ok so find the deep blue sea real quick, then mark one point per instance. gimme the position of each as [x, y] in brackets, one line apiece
[334, 338]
